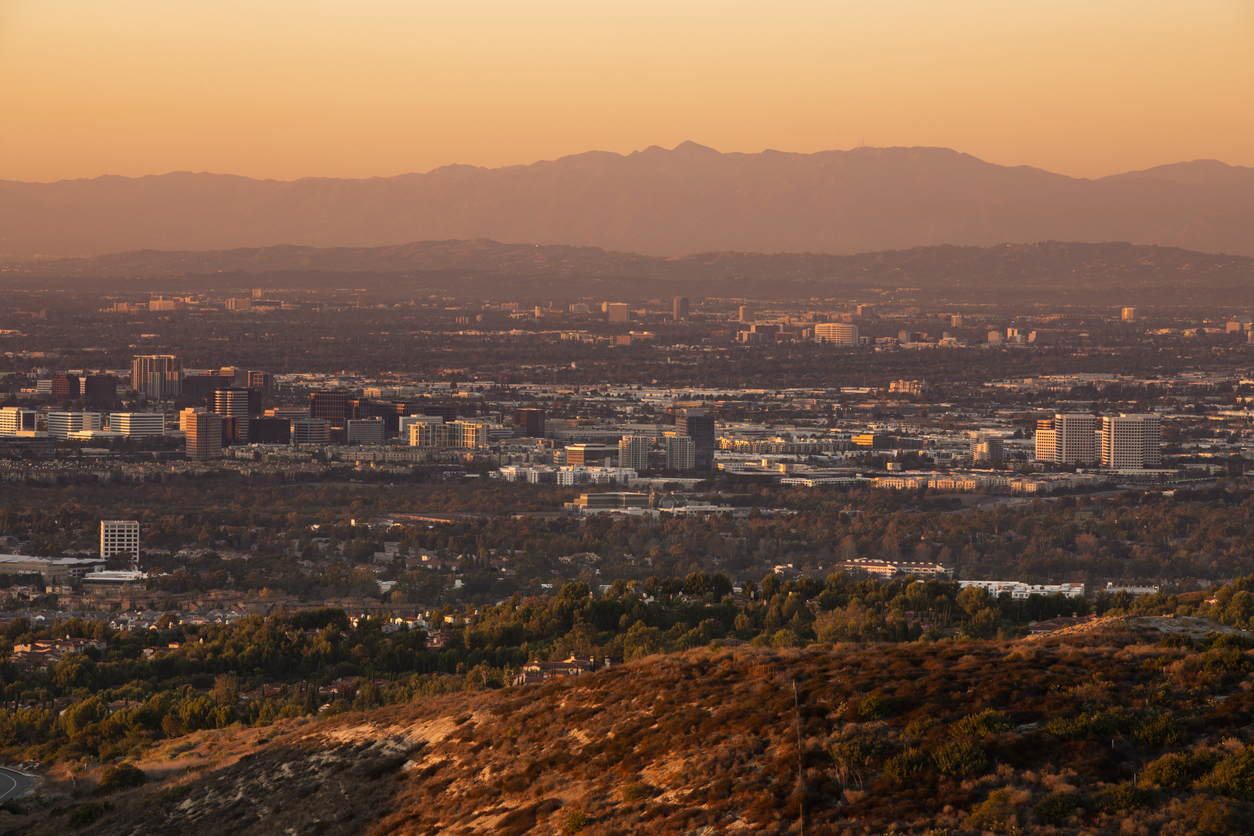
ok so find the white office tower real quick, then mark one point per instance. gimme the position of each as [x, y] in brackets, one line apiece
[61, 424]
[633, 452]
[994, 338]
[1131, 442]
[137, 424]
[1069, 438]
[681, 452]
[1128, 315]
[837, 333]
[14, 420]
[158, 376]
[119, 536]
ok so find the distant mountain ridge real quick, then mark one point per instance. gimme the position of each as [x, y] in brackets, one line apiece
[657, 202]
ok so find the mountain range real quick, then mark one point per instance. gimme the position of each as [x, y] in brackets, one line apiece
[655, 202]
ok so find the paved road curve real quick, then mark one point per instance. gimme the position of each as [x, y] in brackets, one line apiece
[13, 784]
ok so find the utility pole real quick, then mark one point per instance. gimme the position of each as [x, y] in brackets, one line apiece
[801, 812]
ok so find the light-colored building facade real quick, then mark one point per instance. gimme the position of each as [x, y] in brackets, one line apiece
[459, 434]
[1131, 442]
[204, 436]
[233, 403]
[137, 424]
[158, 376]
[681, 453]
[119, 536]
[15, 420]
[1068, 438]
[61, 424]
[836, 333]
[633, 452]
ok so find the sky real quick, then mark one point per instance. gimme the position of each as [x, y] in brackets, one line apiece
[363, 88]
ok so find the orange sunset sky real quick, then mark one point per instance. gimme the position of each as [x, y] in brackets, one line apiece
[373, 87]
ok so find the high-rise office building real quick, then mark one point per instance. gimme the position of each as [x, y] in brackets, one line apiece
[1131, 442]
[233, 404]
[202, 386]
[460, 434]
[837, 333]
[310, 431]
[332, 407]
[14, 420]
[269, 430]
[61, 424]
[698, 426]
[1069, 438]
[679, 308]
[529, 422]
[260, 381]
[204, 435]
[100, 387]
[986, 446]
[157, 376]
[866, 311]
[119, 537]
[66, 386]
[364, 431]
[633, 452]
[747, 313]
[680, 453]
[618, 311]
[1128, 315]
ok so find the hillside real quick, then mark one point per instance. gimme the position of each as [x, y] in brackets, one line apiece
[1110, 730]
[1073, 273]
[657, 201]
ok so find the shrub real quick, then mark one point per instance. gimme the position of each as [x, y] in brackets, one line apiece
[986, 722]
[85, 814]
[996, 813]
[1217, 817]
[1106, 723]
[1058, 805]
[1122, 797]
[1159, 729]
[122, 777]
[1230, 641]
[921, 726]
[635, 792]
[856, 751]
[1177, 772]
[908, 763]
[1176, 641]
[1234, 775]
[576, 820]
[958, 760]
[873, 707]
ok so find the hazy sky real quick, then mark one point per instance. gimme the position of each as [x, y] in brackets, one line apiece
[357, 88]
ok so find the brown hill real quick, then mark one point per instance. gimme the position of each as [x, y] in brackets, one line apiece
[1105, 732]
[656, 201]
[1057, 272]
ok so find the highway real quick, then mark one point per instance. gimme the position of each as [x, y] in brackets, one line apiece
[13, 784]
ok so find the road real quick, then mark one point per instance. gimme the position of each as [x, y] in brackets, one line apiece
[13, 784]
